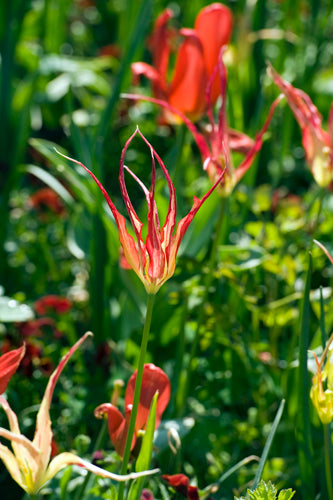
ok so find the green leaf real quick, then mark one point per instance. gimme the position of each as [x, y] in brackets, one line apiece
[144, 458]
[50, 181]
[269, 443]
[303, 424]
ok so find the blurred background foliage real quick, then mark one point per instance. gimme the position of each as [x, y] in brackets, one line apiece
[64, 64]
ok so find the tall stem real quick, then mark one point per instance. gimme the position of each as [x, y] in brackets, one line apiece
[328, 461]
[137, 390]
[208, 281]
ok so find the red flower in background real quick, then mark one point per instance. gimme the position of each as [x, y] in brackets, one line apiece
[47, 198]
[34, 327]
[154, 261]
[317, 143]
[197, 57]
[217, 140]
[154, 379]
[52, 303]
[8, 365]
[147, 495]
[181, 484]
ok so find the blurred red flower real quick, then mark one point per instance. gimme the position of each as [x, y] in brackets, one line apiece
[197, 57]
[52, 303]
[181, 484]
[317, 142]
[47, 198]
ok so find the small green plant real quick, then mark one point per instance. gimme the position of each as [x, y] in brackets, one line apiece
[267, 491]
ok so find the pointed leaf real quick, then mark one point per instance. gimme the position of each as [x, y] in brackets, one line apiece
[144, 458]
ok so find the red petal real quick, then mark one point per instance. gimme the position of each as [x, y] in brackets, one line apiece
[214, 26]
[187, 90]
[246, 163]
[179, 482]
[116, 425]
[159, 85]
[8, 365]
[183, 224]
[239, 142]
[192, 493]
[160, 43]
[153, 379]
[135, 257]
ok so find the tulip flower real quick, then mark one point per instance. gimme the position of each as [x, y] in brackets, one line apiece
[8, 365]
[30, 463]
[197, 57]
[153, 261]
[153, 380]
[317, 142]
[217, 140]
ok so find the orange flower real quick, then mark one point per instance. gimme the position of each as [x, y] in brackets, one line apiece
[8, 365]
[317, 142]
[154, 261]
[217, 139]
[197, 57]
[153, 380]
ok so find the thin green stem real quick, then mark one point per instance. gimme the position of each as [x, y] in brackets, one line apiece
[328, 461]
[137, 390]
[208, 281]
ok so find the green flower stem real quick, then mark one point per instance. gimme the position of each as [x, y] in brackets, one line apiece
[208, 281]
[328, 461]
[137, 390]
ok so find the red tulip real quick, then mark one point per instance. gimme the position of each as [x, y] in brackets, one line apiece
[153, 380]
[317, 143]
[154, 261]
[217, 140]
[8, 365]
[197, 57]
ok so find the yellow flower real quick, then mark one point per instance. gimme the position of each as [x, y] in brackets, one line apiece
[322, 399]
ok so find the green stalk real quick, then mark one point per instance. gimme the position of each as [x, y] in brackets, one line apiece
[208, 281]
[328, 461]
[303, 424]
[137, 391]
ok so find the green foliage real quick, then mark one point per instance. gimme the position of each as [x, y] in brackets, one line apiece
[267, 491]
